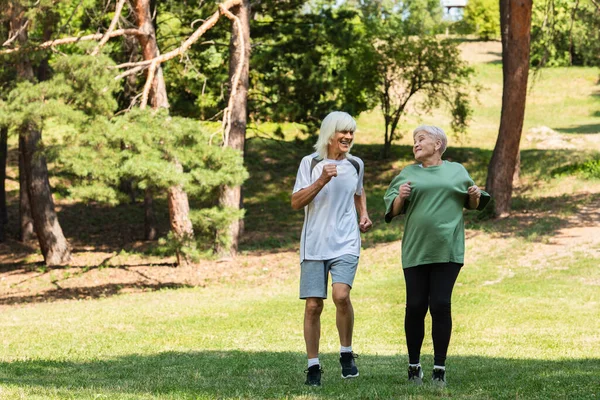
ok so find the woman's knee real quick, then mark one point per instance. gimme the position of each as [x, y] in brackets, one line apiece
[417, 308]
[440, 308]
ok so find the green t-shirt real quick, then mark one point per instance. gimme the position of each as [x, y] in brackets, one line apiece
[434, 230]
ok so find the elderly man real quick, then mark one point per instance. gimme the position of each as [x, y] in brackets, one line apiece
[329, 186]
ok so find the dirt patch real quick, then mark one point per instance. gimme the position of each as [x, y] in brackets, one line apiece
[96, 274]
[481, 52]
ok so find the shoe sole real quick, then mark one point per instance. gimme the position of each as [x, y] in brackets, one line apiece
[349, 376]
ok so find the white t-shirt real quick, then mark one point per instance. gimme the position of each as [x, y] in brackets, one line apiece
[330, 220]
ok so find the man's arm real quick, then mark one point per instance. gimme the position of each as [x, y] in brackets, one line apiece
[304, 196]
[360, 202]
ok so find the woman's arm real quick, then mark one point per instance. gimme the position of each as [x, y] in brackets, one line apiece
[398, 204]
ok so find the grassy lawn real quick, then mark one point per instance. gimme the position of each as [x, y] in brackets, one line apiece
[520, 332]
[526, 305]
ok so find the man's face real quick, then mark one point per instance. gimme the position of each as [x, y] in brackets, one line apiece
[341, 142]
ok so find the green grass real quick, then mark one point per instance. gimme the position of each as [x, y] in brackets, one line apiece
[526, 334]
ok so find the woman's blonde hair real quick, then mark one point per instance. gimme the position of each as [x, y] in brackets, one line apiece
[434, 132]
[336, 121]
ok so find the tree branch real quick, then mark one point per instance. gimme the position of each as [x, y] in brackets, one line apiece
[111, 27]
[96, 36]
[236, 76]
[209, 23]
[148, 85]
[16, 35]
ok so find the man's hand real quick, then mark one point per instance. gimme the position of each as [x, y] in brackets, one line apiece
[365, 224]
[329, 171]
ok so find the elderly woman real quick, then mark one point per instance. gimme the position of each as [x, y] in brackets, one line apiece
[431, 194]
[329, 186]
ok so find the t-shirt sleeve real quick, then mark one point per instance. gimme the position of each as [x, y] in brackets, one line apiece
[483, 200]
[303, 178]
[391, 194]
[361, 175]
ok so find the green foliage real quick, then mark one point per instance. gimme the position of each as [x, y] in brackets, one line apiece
[482, 18]
[310, 64]
[144, 149]
[587, 170]
[212, 223]
[81, 88]
[97, 152]
[565, 32]
[425, 66]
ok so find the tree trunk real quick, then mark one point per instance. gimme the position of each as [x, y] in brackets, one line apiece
[515, 21]
[36, 201]
[181, 225]
[232, 196]
[53, 243]
[3, 158]
[179, 208]
[24, 72]
[149, 220]
[158, 92]
[26, 231]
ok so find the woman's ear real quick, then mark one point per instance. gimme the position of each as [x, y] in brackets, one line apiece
[438, 145]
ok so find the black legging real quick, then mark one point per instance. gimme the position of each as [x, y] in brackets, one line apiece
[430, 287]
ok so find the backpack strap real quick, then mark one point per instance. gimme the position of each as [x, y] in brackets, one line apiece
[317, 159]
[356, 165]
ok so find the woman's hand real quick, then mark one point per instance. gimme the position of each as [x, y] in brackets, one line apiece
[474, 192]
[404, 191]
[474, 195]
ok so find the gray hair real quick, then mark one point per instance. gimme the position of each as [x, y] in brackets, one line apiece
[336, 121]
[435, 133]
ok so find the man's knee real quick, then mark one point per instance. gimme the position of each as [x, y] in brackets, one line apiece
[314, 306]
[341, 295]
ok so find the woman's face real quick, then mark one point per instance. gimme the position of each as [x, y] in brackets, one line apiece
[340, 143]
[425, 146]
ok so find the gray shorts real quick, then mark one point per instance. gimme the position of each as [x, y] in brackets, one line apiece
[314, 274]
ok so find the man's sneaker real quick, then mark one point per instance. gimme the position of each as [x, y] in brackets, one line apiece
[439, 378]
[313, 375]
[349, 369]
[415, 375]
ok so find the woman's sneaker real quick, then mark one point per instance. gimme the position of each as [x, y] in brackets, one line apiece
[349, 369]
[313, 375]
[438, 377]
[415, 375]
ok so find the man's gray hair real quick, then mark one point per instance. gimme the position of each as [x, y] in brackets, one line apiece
[434, 132]
[336, 121]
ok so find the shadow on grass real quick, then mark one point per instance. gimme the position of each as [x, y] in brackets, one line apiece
[583, 129]
[238, 374]
[88, 292]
